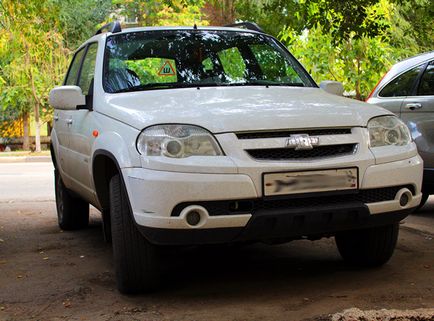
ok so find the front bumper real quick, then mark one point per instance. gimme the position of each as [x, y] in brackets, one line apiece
[157, 200]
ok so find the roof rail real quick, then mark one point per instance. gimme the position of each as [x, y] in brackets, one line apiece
[248, 25]
[112, 27]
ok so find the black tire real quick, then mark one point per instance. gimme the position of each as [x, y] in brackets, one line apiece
[135, 259]
[425, 197]
[72, 212]
[370, 247]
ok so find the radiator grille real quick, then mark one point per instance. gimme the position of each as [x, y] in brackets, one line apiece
[290, 153]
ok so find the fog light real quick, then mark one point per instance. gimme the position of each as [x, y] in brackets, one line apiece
[403, 200]
[193, 218]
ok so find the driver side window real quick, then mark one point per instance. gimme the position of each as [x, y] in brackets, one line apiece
[71, 77]
[88, 69]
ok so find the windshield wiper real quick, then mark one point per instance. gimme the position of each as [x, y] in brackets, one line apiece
[142, 87]
[192, 85]
[273, 83]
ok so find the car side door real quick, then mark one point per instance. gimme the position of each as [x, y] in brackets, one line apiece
[393, 94]
[82, 126]
[62, 118]
[417, 112]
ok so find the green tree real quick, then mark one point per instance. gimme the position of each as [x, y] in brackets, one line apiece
[358, 61]
[163, 12]
[414, 20]
[77, 19]
[33, 58]
[344, 18]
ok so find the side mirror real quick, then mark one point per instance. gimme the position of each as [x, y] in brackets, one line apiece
[67, 97]
[332, 87]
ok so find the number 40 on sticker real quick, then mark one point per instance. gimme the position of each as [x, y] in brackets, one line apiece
[166, 69]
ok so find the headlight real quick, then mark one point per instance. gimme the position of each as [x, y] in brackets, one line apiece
[388, 130]
[177, 141]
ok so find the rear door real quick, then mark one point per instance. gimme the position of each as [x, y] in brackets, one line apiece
[417, 112]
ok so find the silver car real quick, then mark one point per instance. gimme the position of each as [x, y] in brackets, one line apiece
[408, 91]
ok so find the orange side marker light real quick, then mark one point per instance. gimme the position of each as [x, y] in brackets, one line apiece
[95, 133]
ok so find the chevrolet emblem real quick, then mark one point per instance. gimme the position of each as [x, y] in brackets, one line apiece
[302, 142]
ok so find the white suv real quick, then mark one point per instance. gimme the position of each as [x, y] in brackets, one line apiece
[189, 136]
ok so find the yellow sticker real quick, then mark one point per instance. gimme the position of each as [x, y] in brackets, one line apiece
[166, 69]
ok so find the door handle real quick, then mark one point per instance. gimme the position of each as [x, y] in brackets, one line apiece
[56, 118]
[413, 106]
[69, 121]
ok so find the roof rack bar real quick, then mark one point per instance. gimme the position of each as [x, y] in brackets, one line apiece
[112, 27]
[248, 25]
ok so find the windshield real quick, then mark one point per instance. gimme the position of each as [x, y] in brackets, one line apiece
[197, 58]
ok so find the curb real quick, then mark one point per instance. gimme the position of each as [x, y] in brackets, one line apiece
[25, 159]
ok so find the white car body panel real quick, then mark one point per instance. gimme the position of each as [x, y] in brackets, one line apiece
[234, 109]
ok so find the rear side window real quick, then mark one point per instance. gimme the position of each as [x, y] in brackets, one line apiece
[71, 77]
[88, 69]
[426, 86]
[401, 85]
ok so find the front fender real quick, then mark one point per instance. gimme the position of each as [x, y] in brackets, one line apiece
[123, 149]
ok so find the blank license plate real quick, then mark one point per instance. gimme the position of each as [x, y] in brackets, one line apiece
[310, 182]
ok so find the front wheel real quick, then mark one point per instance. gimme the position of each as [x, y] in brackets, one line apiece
[368, 247]
[72, 212]
[425, 197]
[135, 258]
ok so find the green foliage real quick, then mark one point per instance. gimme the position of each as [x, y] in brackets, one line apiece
[345, 18]
[162, 12]
[358, 62]
[29, 69]
[78, 19]
[414, 23]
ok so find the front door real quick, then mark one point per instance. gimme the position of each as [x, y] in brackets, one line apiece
[62, 119]
[417, 112]
[81, 129]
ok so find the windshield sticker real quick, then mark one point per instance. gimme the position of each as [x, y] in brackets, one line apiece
[166, 69]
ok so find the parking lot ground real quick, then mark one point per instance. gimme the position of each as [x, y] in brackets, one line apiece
[47, 274]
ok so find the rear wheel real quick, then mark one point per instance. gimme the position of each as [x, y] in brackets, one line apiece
[72, 212]
[368, 247]
[135, 258]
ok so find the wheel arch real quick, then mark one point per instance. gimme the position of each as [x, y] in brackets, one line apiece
[104, 167]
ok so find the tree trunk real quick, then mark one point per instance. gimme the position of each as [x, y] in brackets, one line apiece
[219, 13]
[26, 129]
[38, 129]
[358, 93]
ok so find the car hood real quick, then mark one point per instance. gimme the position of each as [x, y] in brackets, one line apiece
[229, 109]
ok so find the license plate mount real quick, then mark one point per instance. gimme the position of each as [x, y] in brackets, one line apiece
[315, 181]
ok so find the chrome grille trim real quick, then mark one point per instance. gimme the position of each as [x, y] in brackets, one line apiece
[288, 133]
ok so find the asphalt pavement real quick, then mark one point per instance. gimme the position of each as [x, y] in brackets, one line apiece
[50, 275]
